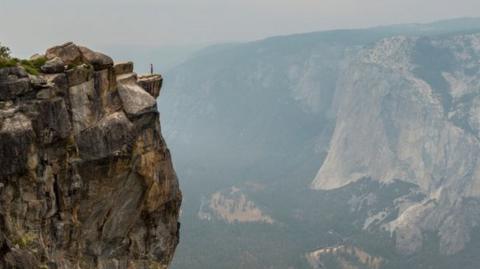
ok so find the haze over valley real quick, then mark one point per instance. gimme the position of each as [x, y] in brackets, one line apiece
[350, 143]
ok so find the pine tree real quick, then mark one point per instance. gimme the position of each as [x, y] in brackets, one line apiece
[4, 51]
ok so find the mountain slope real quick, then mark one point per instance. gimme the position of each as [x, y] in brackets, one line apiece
[268, 113]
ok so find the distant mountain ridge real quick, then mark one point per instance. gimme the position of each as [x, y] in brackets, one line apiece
[449, 26]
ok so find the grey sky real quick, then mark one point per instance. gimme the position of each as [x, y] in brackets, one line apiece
[28, 25]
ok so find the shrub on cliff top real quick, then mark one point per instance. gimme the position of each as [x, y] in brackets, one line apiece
[31, 66]
[5, 60]
[4, 51]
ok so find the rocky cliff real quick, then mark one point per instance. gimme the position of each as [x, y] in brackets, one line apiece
[86, 179]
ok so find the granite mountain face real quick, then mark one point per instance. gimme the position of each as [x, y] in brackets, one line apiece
[361, 146]
[408, 110]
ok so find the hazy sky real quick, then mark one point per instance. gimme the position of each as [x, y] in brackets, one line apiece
[27, 25]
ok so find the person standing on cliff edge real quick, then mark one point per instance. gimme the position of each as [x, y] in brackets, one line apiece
[151, 69]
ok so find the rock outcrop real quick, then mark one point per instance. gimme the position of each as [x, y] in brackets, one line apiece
[86, 179]
[343, 257]
[232, 206]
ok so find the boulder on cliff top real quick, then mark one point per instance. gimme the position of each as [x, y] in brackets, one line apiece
[71, 54]
[99, 60]
[53, 66]
[68, 52]
[123, 68]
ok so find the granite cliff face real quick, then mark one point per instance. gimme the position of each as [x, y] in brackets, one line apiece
[86, 179]
[407, 109]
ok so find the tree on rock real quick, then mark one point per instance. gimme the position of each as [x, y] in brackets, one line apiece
[4, 51]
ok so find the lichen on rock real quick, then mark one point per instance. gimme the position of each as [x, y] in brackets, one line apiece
[86, 179]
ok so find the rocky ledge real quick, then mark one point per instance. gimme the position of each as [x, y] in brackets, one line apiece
[86, 179]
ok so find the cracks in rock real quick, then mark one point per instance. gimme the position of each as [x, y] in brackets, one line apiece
[4, 248]
[58, 193]
[104, 221]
